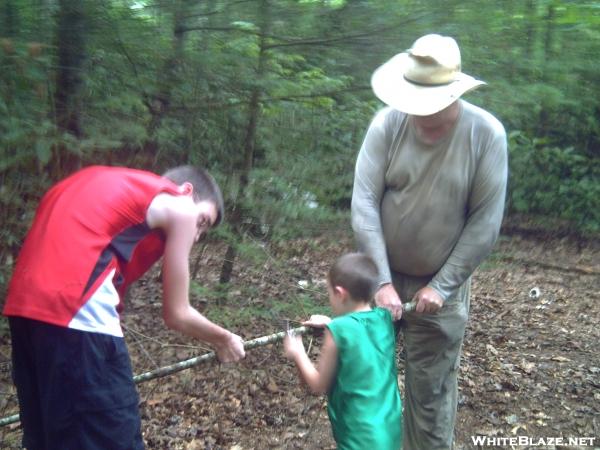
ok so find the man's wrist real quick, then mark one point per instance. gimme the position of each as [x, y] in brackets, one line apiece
[383, 284]
[438, 291]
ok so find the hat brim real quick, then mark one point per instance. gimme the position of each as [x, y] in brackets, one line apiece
[390, 86]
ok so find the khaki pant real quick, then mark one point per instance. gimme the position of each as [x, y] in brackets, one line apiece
[433, 345]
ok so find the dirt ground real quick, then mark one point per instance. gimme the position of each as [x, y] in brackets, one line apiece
[530, 368]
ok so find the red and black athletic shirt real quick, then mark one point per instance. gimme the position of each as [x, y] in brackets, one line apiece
[88, 242]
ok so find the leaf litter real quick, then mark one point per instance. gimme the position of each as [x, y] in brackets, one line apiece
[530, 364]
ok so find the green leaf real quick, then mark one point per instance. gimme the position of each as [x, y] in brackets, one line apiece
[43, 150]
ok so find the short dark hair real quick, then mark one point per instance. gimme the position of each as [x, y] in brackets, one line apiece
[205, 186]
[358, 274]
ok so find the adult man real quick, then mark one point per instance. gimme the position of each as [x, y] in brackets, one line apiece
[427, 205]
[95, 233]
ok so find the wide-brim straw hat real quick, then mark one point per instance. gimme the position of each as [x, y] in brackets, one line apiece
[425, 79]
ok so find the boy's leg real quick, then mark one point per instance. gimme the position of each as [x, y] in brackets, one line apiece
[24, 375]
[108, 405]
[86, 396]
[433, 344]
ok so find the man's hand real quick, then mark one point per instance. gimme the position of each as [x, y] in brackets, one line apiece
[428, 301]
[387, 297]
[317, 321]
[231, 350]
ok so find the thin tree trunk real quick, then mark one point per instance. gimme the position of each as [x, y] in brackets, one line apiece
[549, 35]
[543, 119]
[10, 19]
[70, 39]
[531, 20]
[71, 57]
[160, 103]
[249, 142]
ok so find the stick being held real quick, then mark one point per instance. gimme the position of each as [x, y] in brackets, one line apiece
[409, 307]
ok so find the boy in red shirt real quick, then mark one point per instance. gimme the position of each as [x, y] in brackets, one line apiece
[95, 233]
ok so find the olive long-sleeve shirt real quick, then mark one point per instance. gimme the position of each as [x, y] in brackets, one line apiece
[430, 210]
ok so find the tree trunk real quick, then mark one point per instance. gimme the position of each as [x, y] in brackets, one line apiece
[10, 19]
[531, 20]
[159, 104]
[543, 119]
[71, 57]
[70, 42]
[549, 35]
[249, 142]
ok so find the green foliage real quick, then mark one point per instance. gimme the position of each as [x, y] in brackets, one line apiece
[555, 182]
[166, 83]
[232, 316]
[26, 135]
[299, 307]
[246, 245]
[276, 208]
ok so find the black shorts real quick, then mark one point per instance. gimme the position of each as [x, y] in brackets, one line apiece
[75, 389]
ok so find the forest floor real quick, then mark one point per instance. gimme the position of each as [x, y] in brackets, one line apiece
[530, 366]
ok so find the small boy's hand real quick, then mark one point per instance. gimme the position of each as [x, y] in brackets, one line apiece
[317, 321]
[293, 346]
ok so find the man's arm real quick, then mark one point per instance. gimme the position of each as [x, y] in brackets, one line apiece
[367, 194]
[173, 215]
[484, 217]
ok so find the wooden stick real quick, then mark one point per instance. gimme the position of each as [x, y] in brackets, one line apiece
[182, 365]
[409, 307]
[188, 363]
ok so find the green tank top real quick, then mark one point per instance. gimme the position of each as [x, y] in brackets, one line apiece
[364, 403]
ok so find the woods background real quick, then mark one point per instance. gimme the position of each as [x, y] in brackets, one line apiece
[274, 98]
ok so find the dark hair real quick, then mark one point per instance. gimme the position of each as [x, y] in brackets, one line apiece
[358, 274]
[205, 186]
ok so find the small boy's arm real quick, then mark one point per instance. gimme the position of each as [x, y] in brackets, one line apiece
[327, 364]
[317, 321]
[319, 378]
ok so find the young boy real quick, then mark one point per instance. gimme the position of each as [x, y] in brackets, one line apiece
[357, 366]
[95, 233]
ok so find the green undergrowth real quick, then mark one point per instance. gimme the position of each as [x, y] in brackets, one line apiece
[242, 308]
